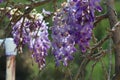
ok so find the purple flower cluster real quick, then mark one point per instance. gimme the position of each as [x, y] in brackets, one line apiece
[39, 43]
[73, 25]
[63, 43]
[33, 33]
[84, 15]
[21, 32]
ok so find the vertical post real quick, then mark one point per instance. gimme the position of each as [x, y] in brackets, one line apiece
[68, 0]
[10, 50]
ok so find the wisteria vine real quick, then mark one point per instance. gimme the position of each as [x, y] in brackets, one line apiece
[34, 33]
[72, 25]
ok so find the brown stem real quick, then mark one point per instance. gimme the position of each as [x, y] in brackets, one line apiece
[101, 42]
[100, 18]
[33, 5]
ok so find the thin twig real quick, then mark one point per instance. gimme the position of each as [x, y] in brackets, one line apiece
[101, 41]
[93, 65]
[80, 68]
[100, 18]
[110, 59]
[104, 68]
[70, 74]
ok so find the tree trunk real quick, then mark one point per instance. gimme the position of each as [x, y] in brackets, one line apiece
[116, 35]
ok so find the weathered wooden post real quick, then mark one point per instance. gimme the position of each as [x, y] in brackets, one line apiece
[10, 50]
[68, 0]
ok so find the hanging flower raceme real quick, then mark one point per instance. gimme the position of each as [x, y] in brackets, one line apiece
[63, 42]
[33, 32]
[73, 25]
[21, 32]
[84, 16]
[39, 41]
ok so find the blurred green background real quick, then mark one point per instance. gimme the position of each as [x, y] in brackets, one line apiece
[26, 69]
